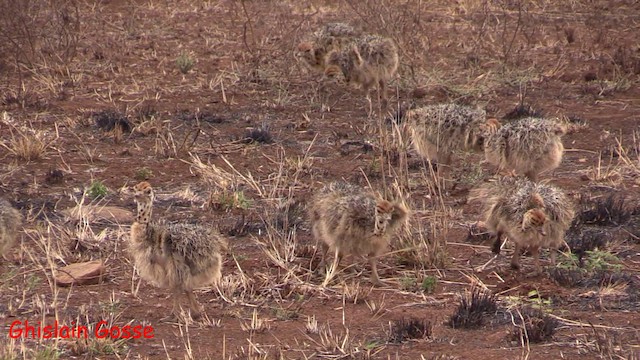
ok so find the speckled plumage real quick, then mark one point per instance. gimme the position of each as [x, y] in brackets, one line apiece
[332, 36]
[370, 60]
[10, 220]
[439, 130]
[528, 146]
[352, 221]
[178, 256]
[532, 215]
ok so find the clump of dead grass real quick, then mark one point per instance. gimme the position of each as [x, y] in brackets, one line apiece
[109, 120]
[521, 111]
[260, 135]
[532, 325]
[213, 174]
[27, 146]
[474, 306]
[612, 343]
[619, 164]
[26, 142]
[410, 328]
[611, 210]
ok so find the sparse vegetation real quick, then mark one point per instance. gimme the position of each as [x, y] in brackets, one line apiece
[429, 284]
[522, 111]
[228, 201]
[592, 261]
[26, 142]
[185, 62]
[97, 190]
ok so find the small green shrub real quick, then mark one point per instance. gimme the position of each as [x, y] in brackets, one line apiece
[228, 201]
[185, 62]
[429, 284]
[592, 261]
[596, 260]
[97, 190]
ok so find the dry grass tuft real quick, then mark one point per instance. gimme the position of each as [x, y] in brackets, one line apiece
[613, 344]
[521, 111]
[532, 326]
[474, 306]
[567, 277]
[409, 329]
[219, 179]
[26, 142]
[112, 120]
[261, 135]
[612, 210]
[27, 146]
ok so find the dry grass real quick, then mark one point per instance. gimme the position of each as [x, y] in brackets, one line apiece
[25, 142]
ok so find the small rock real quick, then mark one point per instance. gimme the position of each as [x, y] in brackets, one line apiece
[85, 273]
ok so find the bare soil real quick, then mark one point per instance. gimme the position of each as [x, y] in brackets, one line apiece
[574, 59]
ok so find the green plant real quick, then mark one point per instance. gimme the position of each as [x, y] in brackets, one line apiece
[592, 261]
[373, 169]
[371, 345]
[537, 301]
[110, 307]
[185, 62]
[106, 346]
[408, 283]
[32, 282]
[570, 262]
[49, 352]
[596, 260]
[283, 314]
[429, 284]
[97, 190]
[235, 200]
[143, 174]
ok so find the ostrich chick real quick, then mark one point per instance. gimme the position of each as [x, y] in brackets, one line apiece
[10, 220]
[532, 215]
[179, 257]
[437, 131]
[528, 146]
[368, 61]
[351, 221]
[332, 36]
